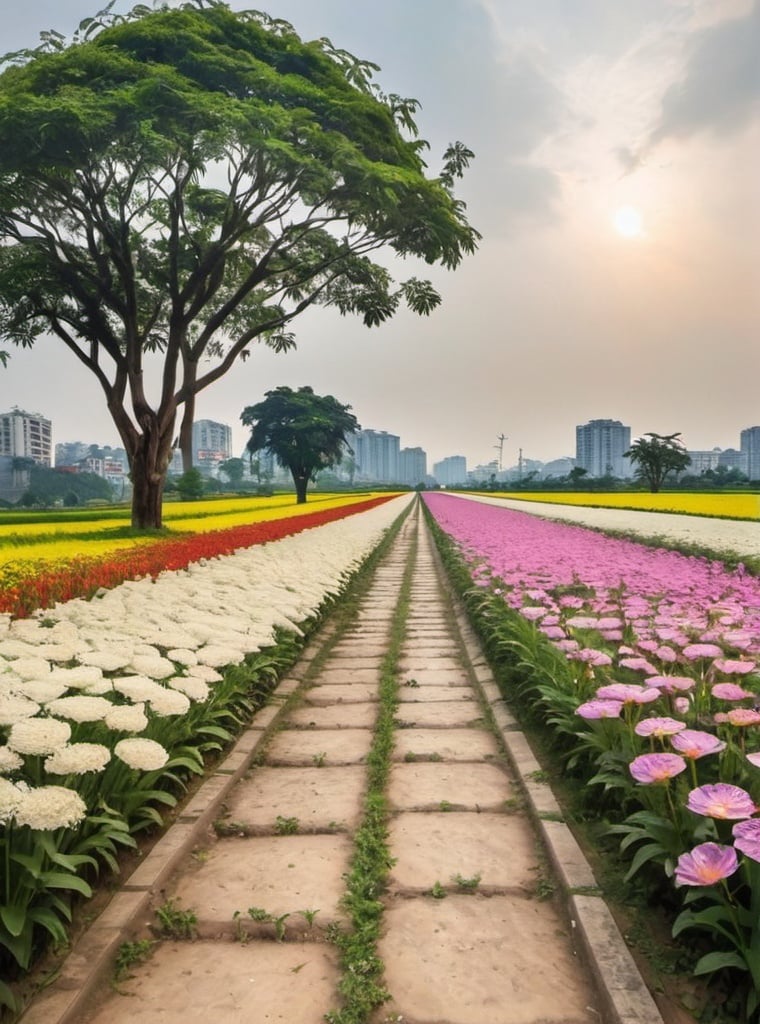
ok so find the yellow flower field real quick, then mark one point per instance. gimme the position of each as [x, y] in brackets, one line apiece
[721, 505]
[98, 535]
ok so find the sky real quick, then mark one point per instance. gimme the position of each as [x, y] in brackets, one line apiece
[616, 187]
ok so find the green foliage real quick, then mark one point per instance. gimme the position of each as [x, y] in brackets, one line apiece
[119, 241]
[175, 922]
[190, 485]
[129, 954]
[305, 432]
[657, 457]
[286, 826]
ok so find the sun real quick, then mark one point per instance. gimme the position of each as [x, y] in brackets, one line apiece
[627, 221]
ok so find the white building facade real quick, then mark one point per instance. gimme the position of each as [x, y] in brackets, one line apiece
[26, 435]
[599, 448]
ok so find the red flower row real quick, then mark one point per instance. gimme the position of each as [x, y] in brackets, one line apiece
[82, 577]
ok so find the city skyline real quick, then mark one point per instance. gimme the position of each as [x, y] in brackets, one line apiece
[614, 186]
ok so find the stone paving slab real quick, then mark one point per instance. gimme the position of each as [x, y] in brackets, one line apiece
[337, 672]
[318, 797]
[436, 846]
[439, 713]
[455, 960]
[326, 746]
[281, 874]
[325, 695]
[227, 982]
[423, 694]
[448, 744]
[427, 785]
[429, 654]
[345, 716]
[433, 675]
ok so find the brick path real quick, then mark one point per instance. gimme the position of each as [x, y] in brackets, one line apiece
[466, 938]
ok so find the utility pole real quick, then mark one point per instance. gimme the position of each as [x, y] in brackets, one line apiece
[501, 439]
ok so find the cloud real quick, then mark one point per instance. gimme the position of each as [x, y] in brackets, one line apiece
[720, 88]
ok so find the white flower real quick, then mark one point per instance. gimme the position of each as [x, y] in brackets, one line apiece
[9, 760]
[38, 735]
[77, 758]
[80, 677]
[204, 672]
[169, 702]
[16, 708]
[40, 690]
[217, 656]
[153, 666]
[50, 807]
[108, 660]
[182, 656]
[10, 648]
[147, 755]
[31, 668]
[193, 687]
[80, 709]
[10, 797]
[137, 688]
[126, 718]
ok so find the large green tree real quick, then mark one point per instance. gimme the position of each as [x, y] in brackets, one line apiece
[305, 432]
[184, 182]
[656, 456]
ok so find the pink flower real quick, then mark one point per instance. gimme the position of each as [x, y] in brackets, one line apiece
[693, 652]
[681, 705]
[533, 612]
[693, 744]
[754, 759]
[707, 864]
[729, 691]
[567, 645]
[600, 709]
[593, 657]
[628, 693]
[582, 622]
[658, 727]
[721, 800]
[742, 717]
[639, 665]
[669, 684]
[734, 668]
[747, 838]
[666, 654]
[649, 768]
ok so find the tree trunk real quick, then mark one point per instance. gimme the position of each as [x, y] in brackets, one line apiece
[186, 434]
[301, 481]
[148, 465]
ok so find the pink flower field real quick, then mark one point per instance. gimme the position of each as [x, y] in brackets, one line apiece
[644, 662]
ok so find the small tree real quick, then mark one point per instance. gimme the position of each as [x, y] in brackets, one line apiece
[305, 432]
[233, 469]
[191, 485]
[656, 456]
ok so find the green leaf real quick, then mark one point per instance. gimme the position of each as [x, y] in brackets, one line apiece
[60, 880]
[14, 918]
[643, 855]
[718, 961]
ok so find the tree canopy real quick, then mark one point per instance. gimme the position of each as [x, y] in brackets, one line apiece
[655, 456]
[185, 182]
[305, 432]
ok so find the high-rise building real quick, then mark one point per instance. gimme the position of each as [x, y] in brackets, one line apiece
[26, 435]
[701, 461]
[212, 444]
[412, 466]
[730, 458]
[376, 455]
[599, 448]
[451, 471]
[750, 446]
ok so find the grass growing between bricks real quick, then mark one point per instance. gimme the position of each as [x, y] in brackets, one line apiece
[362, 984]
